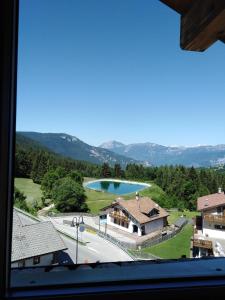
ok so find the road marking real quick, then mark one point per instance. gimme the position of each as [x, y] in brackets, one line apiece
[90, 231]
[92, 249]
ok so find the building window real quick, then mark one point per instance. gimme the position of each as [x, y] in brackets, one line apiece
[36, 260]
[220, 227]
[219, 209]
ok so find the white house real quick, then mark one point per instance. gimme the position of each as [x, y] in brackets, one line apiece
[139, 216]
[209, 237]
[36, 244]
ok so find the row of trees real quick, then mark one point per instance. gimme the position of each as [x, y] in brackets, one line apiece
[182, 185]
[34, 163]
[56, 175]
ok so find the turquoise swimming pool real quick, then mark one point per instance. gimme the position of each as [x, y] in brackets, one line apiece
[116, 187]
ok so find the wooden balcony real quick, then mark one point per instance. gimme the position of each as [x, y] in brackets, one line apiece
[215, 219]
[119, 216]
[202, 244]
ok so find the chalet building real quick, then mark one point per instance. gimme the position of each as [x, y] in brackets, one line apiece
[37, 244]
[139, 216]
[209, 235]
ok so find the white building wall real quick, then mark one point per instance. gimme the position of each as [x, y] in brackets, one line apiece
[14, 265]
[149, 227]
[129, 229]
[45, 260]
[214, 233]
[208, 228]
[154, 226]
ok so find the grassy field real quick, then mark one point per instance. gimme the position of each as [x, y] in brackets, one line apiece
[174, 215]
[175, 247]
[97, 200]
[31, 190]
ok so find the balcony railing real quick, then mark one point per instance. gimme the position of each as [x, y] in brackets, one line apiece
[119, 216]
[215, 219]
[202, 244]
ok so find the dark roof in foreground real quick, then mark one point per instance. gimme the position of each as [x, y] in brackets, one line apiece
[210, 201]
[139, 208]
[34, 239]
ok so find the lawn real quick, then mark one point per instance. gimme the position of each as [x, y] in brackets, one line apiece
[31, 190]
[173, 248]
[174, 215]
[97, 200]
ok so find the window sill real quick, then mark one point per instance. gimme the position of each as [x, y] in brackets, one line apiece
[119, 277]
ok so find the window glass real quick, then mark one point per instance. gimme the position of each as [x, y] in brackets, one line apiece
[111, 112]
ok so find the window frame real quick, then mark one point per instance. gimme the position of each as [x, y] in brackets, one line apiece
[173, 288]
[8, 85]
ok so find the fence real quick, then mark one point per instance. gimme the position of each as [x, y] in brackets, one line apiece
[149, 243]
[163, 238]
[55, 215]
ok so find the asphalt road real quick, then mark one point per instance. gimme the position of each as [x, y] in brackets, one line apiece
[96, 248]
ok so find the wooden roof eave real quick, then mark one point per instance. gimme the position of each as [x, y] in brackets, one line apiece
[180, 6]
[202, 22]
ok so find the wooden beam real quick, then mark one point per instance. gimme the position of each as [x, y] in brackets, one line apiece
[180, 6]
[203, 25]
[223, 39]
[202, 22]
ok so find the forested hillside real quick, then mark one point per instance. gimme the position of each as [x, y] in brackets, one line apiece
[33, 161]
[182, 185]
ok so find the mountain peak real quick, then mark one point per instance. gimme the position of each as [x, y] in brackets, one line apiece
[70, 146]
[111, 145]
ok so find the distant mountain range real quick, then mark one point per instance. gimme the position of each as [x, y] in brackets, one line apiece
[70, 146]
[116, 152]
[154, 154]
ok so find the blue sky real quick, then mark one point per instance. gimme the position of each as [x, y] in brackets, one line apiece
[113, 70]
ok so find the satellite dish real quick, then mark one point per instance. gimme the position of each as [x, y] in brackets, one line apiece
[82, 228]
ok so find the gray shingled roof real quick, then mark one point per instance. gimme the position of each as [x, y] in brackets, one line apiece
[34, 240]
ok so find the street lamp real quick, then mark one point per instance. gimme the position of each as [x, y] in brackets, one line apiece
[78, 222]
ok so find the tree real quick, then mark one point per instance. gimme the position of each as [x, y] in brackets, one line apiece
[106, 170]
[20, 200]
[40, 165]
[76, 176]
[49, 179]
[69, 196]
[117, 171]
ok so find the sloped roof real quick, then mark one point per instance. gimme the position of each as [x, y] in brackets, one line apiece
[139, 208]
[210, 201]
[180, 222]
[34, 240]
